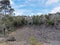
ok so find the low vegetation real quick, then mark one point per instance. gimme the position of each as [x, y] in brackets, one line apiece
[32, 41]
[12, 22]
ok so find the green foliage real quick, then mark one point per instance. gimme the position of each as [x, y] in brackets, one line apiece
[23, 21]
[32, 40]
[5, 5]
[47, 17]
[11, 21]
[19, 21]
[58, 18]
[15, 21]
[8, 22]
[37, 20]
[50, 22]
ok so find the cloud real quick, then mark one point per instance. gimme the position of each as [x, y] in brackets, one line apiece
[34, 3]
[30, 3]
[23, 12]
[11, 2]
[34, 7]
[21, 5]
[39, 13]
[31, 14]
[19, 12]
[49, 2]
[26, 12]
[25, 4]
[56, 9]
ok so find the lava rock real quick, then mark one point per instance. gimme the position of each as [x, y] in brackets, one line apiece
[11, 39]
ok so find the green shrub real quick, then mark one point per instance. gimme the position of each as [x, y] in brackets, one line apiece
[50, 22]
[37, 20]
[32, 40]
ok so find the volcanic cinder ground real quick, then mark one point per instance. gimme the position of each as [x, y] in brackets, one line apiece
[46, 35]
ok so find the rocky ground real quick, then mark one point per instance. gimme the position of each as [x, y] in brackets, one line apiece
[46, 35]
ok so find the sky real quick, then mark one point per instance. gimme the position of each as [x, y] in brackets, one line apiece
[35, 7]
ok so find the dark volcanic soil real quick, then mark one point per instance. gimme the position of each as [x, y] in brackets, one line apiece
[41, 33]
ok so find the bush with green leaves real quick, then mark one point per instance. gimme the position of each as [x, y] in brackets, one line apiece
[50, 22]
[19, 21]
[37, 20]
[33, 41]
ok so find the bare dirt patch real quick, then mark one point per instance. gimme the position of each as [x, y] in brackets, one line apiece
[47, 35]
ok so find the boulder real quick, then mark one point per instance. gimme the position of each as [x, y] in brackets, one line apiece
[11, 39]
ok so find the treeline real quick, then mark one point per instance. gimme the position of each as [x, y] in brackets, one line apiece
[26, 20]
[16, 21]
[11, 22]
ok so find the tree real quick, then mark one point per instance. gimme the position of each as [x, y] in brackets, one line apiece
[11, 11]
[37, 20]
[5, 6]
[47, 17]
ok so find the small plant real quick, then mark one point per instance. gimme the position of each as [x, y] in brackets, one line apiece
[32, 40]
[50, 22]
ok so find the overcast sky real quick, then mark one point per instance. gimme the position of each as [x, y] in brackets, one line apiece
[35, 7]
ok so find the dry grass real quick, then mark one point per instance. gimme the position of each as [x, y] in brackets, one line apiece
[4, 43]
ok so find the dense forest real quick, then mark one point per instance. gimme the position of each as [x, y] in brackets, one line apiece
[10, 21]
